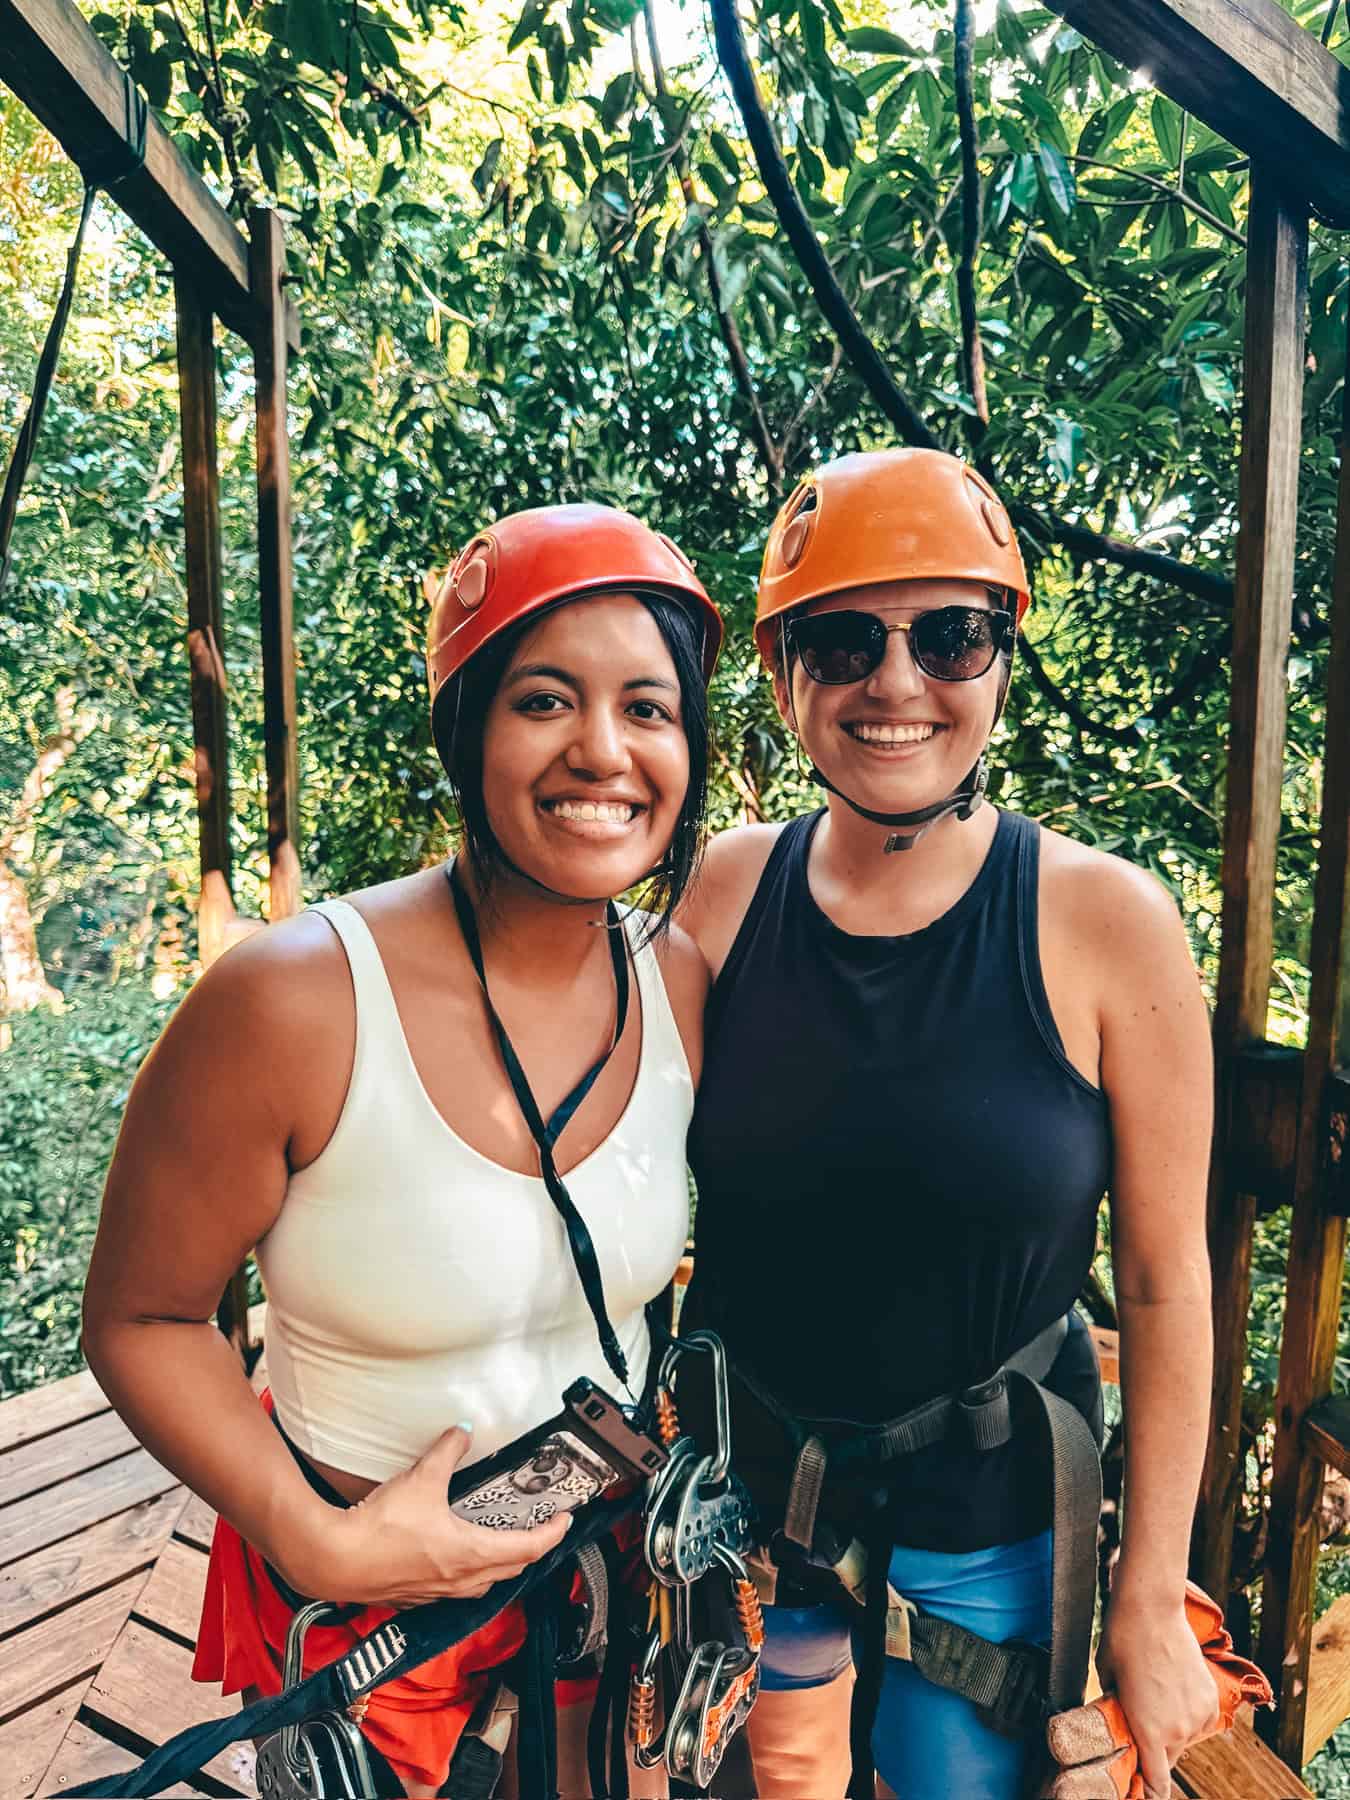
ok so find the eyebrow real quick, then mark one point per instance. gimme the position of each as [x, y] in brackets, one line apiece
[550, 672]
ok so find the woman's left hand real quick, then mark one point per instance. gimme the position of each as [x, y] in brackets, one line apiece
[1149, 1659]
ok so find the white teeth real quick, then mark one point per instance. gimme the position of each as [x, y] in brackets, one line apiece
[607, 812]
[892, 734]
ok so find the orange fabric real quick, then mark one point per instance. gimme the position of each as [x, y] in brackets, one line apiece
[530, 559]
[885, 515]
[414, 1721]
[1092, 1746]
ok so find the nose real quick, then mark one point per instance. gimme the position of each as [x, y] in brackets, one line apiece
[897, 676]
[599, 748]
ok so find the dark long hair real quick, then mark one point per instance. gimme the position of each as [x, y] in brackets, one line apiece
[459, 718]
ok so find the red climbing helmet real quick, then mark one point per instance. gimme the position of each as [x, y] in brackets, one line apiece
[530, 559]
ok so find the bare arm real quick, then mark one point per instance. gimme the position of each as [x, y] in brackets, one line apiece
[254, 1062]
[1156, 1070]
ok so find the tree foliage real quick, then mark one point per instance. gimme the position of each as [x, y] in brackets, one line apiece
[534, 260]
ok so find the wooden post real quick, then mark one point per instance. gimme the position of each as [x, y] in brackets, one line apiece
[1277, 238]
[267, 256]
[206, 666]
[1317, 1233]
[206, 631]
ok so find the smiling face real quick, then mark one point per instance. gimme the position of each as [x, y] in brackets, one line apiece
[898, 740]
[585, 761]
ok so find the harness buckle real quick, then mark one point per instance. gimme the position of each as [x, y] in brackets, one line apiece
[987, 1412]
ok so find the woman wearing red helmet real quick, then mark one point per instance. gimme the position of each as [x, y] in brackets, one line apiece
[937, 1034]
[367, 1095]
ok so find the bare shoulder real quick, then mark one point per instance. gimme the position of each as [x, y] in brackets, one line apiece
[1112, 939]
[685, 974]
[1104, 898]
[716, 903]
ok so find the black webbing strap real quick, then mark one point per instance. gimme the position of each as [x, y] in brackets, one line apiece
[546, 1135]
[397, 1647]
[1017, 1685]
[103, 172]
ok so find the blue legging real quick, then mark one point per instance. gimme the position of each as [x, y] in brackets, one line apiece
[929, 1743]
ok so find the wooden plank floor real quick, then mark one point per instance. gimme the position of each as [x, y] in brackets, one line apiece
[102, 1564]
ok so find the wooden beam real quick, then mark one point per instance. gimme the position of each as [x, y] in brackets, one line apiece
[1277, 239]
[52, 60]
[1249, 71]
[268, 250]
[206, 623]
[1328, 1677]
[1317, 1233]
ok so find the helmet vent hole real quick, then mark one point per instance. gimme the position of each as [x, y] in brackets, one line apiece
[471, 584]
[794, 541]
[808, 503]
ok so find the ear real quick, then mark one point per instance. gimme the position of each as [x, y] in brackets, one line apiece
[782, 699]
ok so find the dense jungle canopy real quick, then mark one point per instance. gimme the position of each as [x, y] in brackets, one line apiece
[534, 260]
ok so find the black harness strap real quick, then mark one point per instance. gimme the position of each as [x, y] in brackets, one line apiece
[546, 1135]
[400, 1645]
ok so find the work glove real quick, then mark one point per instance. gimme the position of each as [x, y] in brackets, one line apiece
[1093, 1755]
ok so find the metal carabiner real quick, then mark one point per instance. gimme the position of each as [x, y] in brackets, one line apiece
[710, 1342]
[292, 1762]
[642, 1706]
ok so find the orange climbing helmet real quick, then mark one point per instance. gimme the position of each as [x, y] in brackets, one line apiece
[530, 559]
[885, 515]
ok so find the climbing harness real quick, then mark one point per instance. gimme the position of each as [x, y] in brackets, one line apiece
[822, 1490]
[705, 1629]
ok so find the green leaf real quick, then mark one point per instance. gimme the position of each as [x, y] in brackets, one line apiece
[309, 32]
[1066, 448]
[1105, 126]
[618, 99]
[1165, 118]
[725, 154]
[527, 24]
[482, 176]
[872, 40]
[1059, 180]
[813, 31]
[1216, 385]
[1023, 186]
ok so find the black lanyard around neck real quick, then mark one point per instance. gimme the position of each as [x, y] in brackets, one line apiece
[546, 1135]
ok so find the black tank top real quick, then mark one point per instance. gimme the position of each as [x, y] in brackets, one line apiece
[898, 1173]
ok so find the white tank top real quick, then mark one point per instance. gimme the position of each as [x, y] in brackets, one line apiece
[413, 1283]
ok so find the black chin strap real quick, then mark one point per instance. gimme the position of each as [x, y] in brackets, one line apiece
[546, 1135]
[963, 803]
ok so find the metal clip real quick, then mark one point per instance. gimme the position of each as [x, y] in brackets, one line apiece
[325, 1757]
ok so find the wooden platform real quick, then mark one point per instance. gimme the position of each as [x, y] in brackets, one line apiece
[102, 1562]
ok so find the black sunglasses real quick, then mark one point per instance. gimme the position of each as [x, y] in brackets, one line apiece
[951, 643]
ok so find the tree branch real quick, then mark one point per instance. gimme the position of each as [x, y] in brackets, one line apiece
[972, 350]
[769, 453]
[1172, 191]
[1096, 546]
[830, 297]
[1080, 540]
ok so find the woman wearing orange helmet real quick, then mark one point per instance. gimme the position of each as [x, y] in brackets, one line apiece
[922, 1072]
[360, 1094]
